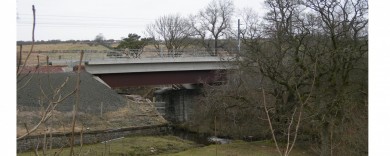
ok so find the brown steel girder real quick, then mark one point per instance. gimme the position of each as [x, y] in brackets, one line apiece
[119, 80]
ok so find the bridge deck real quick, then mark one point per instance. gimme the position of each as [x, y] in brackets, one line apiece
[158, 65]
[156, 71]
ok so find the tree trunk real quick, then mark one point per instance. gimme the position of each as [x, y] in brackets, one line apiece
[215, 46]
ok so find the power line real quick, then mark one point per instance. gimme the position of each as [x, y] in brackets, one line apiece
[78, 26]
[78, 23]
[75, 26]
[90, 17]
[83, 20]
[83, 26]
[91, 22]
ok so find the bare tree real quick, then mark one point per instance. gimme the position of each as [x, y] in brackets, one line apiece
[330, 35]
[200, 32]
[214, 21]
[252, 26]
[343, 47]
[313, 57]
[173, 30]
[234, 103]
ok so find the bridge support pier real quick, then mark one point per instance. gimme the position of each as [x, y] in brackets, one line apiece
[179, 104]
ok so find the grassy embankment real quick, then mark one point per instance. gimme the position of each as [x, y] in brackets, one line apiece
[170, 145]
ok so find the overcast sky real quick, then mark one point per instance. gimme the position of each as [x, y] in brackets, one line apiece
[84, 19]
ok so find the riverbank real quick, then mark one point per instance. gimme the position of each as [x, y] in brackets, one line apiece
[172, 145]
[135, 145]
[91, 137]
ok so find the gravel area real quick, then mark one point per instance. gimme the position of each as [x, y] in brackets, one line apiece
[92, 92]
[118, 111]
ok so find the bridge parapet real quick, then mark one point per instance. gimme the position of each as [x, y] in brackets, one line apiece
[64, 56]
[158, 64]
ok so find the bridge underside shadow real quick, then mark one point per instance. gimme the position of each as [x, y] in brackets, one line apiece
[119, 80]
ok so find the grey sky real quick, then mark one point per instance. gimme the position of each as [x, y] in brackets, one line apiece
[84, 19]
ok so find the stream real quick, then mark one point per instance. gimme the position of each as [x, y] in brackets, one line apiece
[199, 138]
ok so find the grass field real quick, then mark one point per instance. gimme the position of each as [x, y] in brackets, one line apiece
[171, 145]
[239, 148]
[63, 46]
[53, 52]
[137, 145]
[44, 50]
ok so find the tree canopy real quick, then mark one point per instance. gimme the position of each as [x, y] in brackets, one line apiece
[133, 41]
[173, 30]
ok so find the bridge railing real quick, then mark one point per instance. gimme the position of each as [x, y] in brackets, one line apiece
[66, 56]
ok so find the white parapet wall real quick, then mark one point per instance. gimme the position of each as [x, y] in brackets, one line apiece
[158, 65]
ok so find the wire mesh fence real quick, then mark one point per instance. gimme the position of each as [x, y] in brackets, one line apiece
[67, 56]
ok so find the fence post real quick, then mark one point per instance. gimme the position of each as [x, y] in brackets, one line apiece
[161, 52]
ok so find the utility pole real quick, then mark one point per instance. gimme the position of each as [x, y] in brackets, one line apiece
[238, 38]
